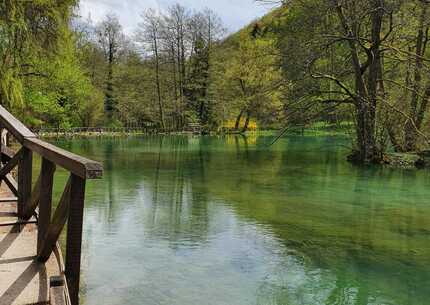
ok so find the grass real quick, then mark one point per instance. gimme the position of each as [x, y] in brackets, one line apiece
[316, 129]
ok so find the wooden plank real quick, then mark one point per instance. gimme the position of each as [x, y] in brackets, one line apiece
[8, 199]
[31, 206]
[78, 165]
[45, 201]
[14, 126]
[10, 165]
[7, 153]
[23, 280]
[12, 184]
[57, 224]
[74, 237]
[25, 173]
[17, 222]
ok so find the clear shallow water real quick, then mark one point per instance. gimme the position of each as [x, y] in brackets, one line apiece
[227, 221]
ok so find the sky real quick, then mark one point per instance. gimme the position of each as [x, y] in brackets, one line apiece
[234, 13]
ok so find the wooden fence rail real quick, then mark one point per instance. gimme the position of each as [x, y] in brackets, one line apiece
[147, 128]
[37, 200]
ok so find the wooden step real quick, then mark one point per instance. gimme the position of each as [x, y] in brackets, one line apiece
[9, 221]
[18, 222]
[8, 215]
[8, 199]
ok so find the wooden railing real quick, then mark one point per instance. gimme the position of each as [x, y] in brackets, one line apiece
[147, 128]
[71, 205]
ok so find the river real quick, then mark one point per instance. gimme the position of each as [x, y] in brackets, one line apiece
[183, 220]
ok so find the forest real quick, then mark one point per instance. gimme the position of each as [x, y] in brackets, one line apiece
[364, 64]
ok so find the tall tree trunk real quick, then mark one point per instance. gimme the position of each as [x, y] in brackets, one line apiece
[238, 119]
[248, 118]
[157, 79]
[366, 92]
[371, 152]
[411, 132]
[182, 56]
[393, 138]
[423, 107]
[109, 92]
[181, 83]
[175, 86]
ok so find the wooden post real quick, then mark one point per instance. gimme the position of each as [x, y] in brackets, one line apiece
[74, 237]
[57, 223]
[45, 201]
[25, 168]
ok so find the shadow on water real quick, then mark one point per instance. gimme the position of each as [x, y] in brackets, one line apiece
[232, 219]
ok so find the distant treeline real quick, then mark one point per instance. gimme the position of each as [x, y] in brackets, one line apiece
[308, 61]
[175, 69]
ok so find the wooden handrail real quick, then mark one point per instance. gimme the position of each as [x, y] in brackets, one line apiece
[71, 206]
[14, 126]
[76, 164]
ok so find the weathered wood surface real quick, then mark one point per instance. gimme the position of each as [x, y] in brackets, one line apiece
[23, 280]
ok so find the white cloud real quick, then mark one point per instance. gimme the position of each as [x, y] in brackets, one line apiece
[234, 13]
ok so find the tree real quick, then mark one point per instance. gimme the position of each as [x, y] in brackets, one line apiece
[179, 44]
[204, 29]
[175, 25]
[63, 96]
[415, 82]
[110, 37]
[349, 49]
[249, 77]
[29, 30]
[148, 34]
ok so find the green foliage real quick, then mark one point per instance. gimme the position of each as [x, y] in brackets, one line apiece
[29, 30]
[248, 78]
[63, 95]
[198, 82]
[134, 90]
[41, 78]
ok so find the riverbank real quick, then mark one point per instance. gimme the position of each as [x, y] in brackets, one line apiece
[408, 160]
[317, 129]
[391, 159]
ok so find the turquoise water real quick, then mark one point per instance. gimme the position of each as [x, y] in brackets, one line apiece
[183, 220]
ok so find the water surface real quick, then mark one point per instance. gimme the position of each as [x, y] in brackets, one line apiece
[184, 220]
